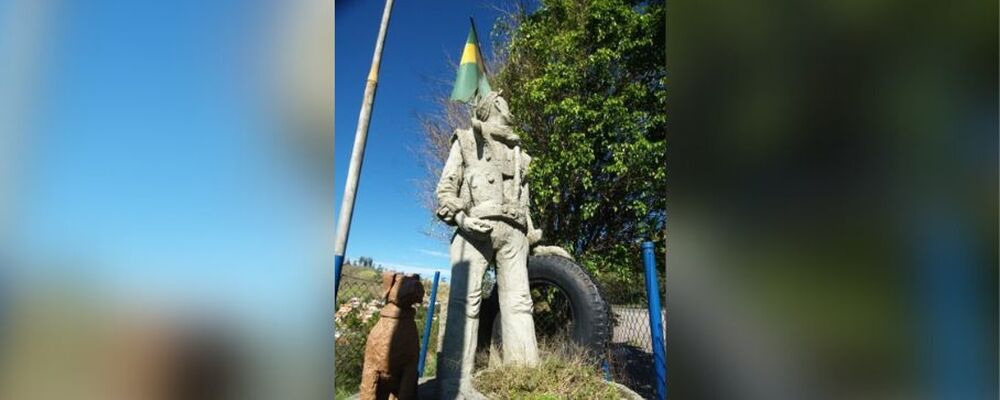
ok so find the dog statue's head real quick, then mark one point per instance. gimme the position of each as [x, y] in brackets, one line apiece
[402, 290]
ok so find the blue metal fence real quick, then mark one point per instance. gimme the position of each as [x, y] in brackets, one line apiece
[655, 320]
[428, 321]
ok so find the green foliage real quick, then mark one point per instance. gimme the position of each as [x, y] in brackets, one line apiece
[353, 333]
[586, 81]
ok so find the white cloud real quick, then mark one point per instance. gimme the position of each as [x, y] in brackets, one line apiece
[439, 254]
[425, 272]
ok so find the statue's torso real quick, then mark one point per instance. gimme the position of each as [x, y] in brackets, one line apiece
[489, 187]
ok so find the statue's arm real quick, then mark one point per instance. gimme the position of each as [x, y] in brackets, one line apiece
[448, 197]
[534, 235]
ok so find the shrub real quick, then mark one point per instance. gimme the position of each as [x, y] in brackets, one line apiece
[352, 333]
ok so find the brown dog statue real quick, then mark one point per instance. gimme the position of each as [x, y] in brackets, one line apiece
[393, 349]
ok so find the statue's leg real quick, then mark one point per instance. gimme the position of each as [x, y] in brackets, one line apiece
[408, 383]
[516, 324]
[458, 349]
[369, 383]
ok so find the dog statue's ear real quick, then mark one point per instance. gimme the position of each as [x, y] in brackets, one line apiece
[388, 279]
[418, 288]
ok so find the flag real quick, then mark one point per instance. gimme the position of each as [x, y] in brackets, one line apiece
[471, 79]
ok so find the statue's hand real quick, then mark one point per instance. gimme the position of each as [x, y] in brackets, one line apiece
[534, 236]
[473, 224]
[449, 207]
[445, 214]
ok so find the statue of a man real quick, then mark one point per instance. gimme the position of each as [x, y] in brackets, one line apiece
[483, 192]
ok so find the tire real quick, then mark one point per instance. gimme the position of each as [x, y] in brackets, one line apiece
[589, 322]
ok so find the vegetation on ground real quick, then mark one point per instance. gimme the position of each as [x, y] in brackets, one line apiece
[564, 372]
[352, 334]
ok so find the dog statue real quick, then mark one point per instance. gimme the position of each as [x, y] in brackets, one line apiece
[393, 349]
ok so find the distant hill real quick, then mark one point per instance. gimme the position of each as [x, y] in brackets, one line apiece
[362, 272]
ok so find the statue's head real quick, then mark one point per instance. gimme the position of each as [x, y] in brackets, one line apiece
[493, 106]
[402, 290]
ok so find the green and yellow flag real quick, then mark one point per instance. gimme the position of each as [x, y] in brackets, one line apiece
[471, 79]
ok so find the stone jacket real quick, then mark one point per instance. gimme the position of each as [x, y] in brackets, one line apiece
[479, 179]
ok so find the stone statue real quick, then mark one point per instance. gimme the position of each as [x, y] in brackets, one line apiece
[484, 193]
[393, 349]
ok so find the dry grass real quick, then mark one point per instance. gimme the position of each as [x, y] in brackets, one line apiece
[564, 372]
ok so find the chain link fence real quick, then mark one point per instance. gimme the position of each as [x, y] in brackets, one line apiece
[359, 301]
[630, 352]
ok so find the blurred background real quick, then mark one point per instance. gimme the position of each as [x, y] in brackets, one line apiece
[165, 199]
[832, 199]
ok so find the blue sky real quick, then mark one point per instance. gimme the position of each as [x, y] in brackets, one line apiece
[389, 220]
[153, 161]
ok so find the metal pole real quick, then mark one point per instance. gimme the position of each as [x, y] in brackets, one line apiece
[427, 325]
[358, 153]
[478, 48]
[655, 320]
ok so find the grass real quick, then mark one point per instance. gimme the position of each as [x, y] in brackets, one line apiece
[564, 372]
[343, 394]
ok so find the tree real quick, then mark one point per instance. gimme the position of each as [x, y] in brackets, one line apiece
[364, 261]
[586, 81]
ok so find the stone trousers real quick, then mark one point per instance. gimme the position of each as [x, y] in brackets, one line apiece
[471, 254]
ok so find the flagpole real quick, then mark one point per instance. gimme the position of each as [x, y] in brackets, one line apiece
[358, 153]
[479, 51]
[478, 48]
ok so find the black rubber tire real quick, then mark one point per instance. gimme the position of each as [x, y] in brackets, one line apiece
[591, 327]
